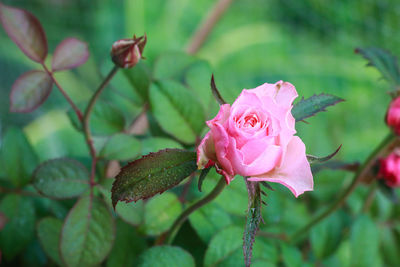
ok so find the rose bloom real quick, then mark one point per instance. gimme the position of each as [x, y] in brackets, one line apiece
[393, 115]
[389, 169]
[255, 138]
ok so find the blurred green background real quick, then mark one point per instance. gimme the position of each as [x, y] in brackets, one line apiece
[309, 43]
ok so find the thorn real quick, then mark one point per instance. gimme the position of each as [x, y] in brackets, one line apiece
[262, 201]
[265, 194]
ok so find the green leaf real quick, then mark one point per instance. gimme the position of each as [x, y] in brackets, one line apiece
[291, 256]
[128, 245]
[17, 158]
[390, 247]
[140, 78]
[166, 256]
[152, 144]
[364, 242]
[177, 110]
[152, 174]
[253, 219]
[132, 213]
[384, 61]
[314, 159]
[223, 246]
[326, 236]
[306, 108]
[88, 233]
[179, 60]
[26, 31]
[121, 147]
[49, 231]
[61, 178]
[20, 227]
[106, 119]
[160, 213]
[203, 176]
[30, 90]
[208, 220]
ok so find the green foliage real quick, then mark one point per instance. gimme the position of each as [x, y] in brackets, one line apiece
[61, 178]
[49, 231]
[153, 174]
[306, 108]
[166, 256]
[121, 147]
[88, 233]
[106, 119]
[20, 225]
[17, 158]
[140, 79]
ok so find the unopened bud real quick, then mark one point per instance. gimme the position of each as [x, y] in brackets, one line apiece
[126, 53]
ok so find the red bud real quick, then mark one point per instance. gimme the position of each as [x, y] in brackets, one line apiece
[126, 53]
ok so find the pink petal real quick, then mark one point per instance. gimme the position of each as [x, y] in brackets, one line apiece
[221, 142]
[295, 172]
[222, 116]
[206, 151]
[282, 92]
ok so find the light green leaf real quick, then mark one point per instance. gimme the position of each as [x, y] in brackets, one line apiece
[291, 256]
[121, 147]
[88, 233]
[166, 256]
[163, 67]
[49, 231]
[17, 158]
[20, 227]
[153, 144]
[140, 79]
[177, 110]
[160, 213]
[106, 119]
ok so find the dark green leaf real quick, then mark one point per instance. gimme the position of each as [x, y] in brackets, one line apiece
[140, 79]
[388, 191]
[253, 219]
[121, 147]
[25, 30]
[20, 227]
[88, 233]
[364, 242]
[384, 61]
[202, 176]
[128, 245]
[224, 246]
[160, 213]
[17, 158]
[306, 108]
[30, 90]
[291, 256]
[390, 246]
[152, 174]
[49, 231]
[314, 159]
[177, 110]
[166, 256]
[61, 178]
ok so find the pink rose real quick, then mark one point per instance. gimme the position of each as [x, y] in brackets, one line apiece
[389, 169]
[393, 115]
[255, 138]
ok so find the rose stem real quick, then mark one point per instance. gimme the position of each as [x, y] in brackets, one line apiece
[362, 171]
[74, 107]
[86, 126]
[207, 25]
[370, 197]
[185, 214]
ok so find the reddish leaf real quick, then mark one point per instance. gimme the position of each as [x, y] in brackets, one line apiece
[30, 91]
[70, 54]
[26, 31]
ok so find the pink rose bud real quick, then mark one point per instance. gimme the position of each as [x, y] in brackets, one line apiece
[255, 138]
[393, 115]
[126, 53]
[389, 169]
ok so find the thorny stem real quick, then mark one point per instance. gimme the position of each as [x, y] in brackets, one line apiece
[207, 25]
[185, 214]
[72, 104]
[86, 124]
[384, 146]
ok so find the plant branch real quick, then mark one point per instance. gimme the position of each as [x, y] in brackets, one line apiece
[18, 191]
[86, 122]
[185, 214]
[370, 197]
[72, 104]
[207, 25]
[382, 149]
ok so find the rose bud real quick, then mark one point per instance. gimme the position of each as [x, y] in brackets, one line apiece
[389, 169]
[255, 138]
[393, 115]
[126, 53]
